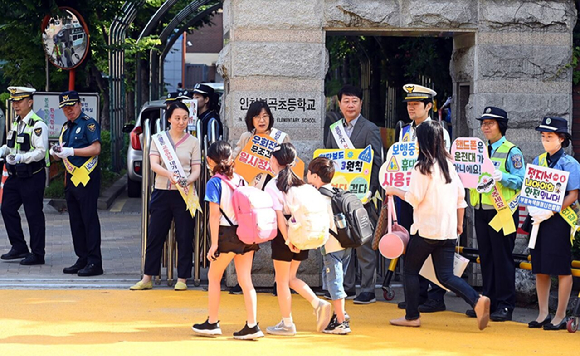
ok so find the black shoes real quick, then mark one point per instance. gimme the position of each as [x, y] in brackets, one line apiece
[365, 298]
[471, 313]
[237, 290]
[559, 326]
[74, 269]
[535, 325]
[350, 294]
[91, 270]
[502, 314]
[32, 259]
[207, 329]
[432, 306]
[14, 255]
[248, 333]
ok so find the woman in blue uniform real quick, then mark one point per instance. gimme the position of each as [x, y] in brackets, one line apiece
[552, 254]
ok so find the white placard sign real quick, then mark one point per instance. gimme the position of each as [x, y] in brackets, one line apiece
[46, 106]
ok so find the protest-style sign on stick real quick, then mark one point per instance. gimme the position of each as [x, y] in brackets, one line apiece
[396, 171]
[253, 162]
[352, 168]
[192, 106]
[475, 169]
[545, 188]
[472, 163]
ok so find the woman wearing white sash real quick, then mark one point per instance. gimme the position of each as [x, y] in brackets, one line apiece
[259, 120]
[167, 203]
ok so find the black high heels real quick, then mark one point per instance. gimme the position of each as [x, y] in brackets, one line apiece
[559, 326]
[535, 325]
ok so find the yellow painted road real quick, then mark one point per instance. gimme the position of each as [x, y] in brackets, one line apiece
[158, 322]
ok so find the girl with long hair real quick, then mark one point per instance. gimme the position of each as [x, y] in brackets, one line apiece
[437, 197]
[286, 256]
[225, 244]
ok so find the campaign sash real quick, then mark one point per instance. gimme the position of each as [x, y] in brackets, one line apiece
[340, 136]
[79, 174]
[278, 135]
[172, 164]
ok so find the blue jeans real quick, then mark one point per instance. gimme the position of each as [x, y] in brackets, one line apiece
[442, 253]
[335, 266]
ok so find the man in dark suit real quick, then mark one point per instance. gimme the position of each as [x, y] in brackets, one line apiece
[354, 131]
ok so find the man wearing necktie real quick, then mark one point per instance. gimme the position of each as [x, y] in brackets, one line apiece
[79, 148]
[495, 248]
[361, 133]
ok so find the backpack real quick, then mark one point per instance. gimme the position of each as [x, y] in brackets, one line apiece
[358, 230]
[309, 224]
[256, 217]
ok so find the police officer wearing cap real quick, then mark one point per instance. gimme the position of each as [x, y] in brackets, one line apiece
[495, 248]
[551, 253]
[419, 101]
[26, 156]
[171, 98]
[206, 113]
[79, 148]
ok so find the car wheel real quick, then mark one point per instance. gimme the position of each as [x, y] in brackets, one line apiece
[133, 188]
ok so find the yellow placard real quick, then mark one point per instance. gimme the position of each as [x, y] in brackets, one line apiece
[253, 162]
[352, 170]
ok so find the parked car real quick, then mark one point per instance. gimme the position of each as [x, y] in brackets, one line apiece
[151, 110]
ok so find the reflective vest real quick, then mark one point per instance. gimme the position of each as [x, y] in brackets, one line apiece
[26, 135]
[499, 159]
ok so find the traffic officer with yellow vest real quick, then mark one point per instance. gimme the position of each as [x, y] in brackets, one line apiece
[26, 156]
[495, 247]
[79, 148]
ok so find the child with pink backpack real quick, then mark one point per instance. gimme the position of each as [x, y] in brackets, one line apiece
[286, 255]
[225, 243]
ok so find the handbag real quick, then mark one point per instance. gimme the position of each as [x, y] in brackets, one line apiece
[381, 227]
[428, 270]
[393, 244]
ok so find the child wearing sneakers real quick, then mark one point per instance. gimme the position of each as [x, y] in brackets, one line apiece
[335, 257]
[225, 245]
[286, 256]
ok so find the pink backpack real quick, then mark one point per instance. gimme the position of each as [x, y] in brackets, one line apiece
[254, 211]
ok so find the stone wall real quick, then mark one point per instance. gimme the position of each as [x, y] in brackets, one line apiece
[507, 53]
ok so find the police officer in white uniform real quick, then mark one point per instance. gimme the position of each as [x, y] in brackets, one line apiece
[26, 155]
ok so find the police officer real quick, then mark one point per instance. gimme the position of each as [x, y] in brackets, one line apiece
[26, 156]
[79, 148]
[495, 248]
[171, 98]
[206, 113]
[419, 101]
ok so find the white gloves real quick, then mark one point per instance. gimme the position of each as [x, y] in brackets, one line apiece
[497, 175]
[539, 215]
[2, 151]
[11, 159]
[65, 152]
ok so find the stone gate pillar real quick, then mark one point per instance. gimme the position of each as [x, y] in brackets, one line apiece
[275, 51]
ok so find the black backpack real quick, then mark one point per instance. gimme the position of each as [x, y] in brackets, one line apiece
[358, 230]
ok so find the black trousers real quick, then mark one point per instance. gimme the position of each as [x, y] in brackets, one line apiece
[436, 293]
[167, 205]
[30, 193]
[84, 222]
[497, 264]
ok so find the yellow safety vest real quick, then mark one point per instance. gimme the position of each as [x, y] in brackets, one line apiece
[28, 129]
[500, 156]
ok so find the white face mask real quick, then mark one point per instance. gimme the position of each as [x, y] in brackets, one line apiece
[552, 146]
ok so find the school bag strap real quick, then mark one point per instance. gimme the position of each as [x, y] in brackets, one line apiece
[233, 187]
